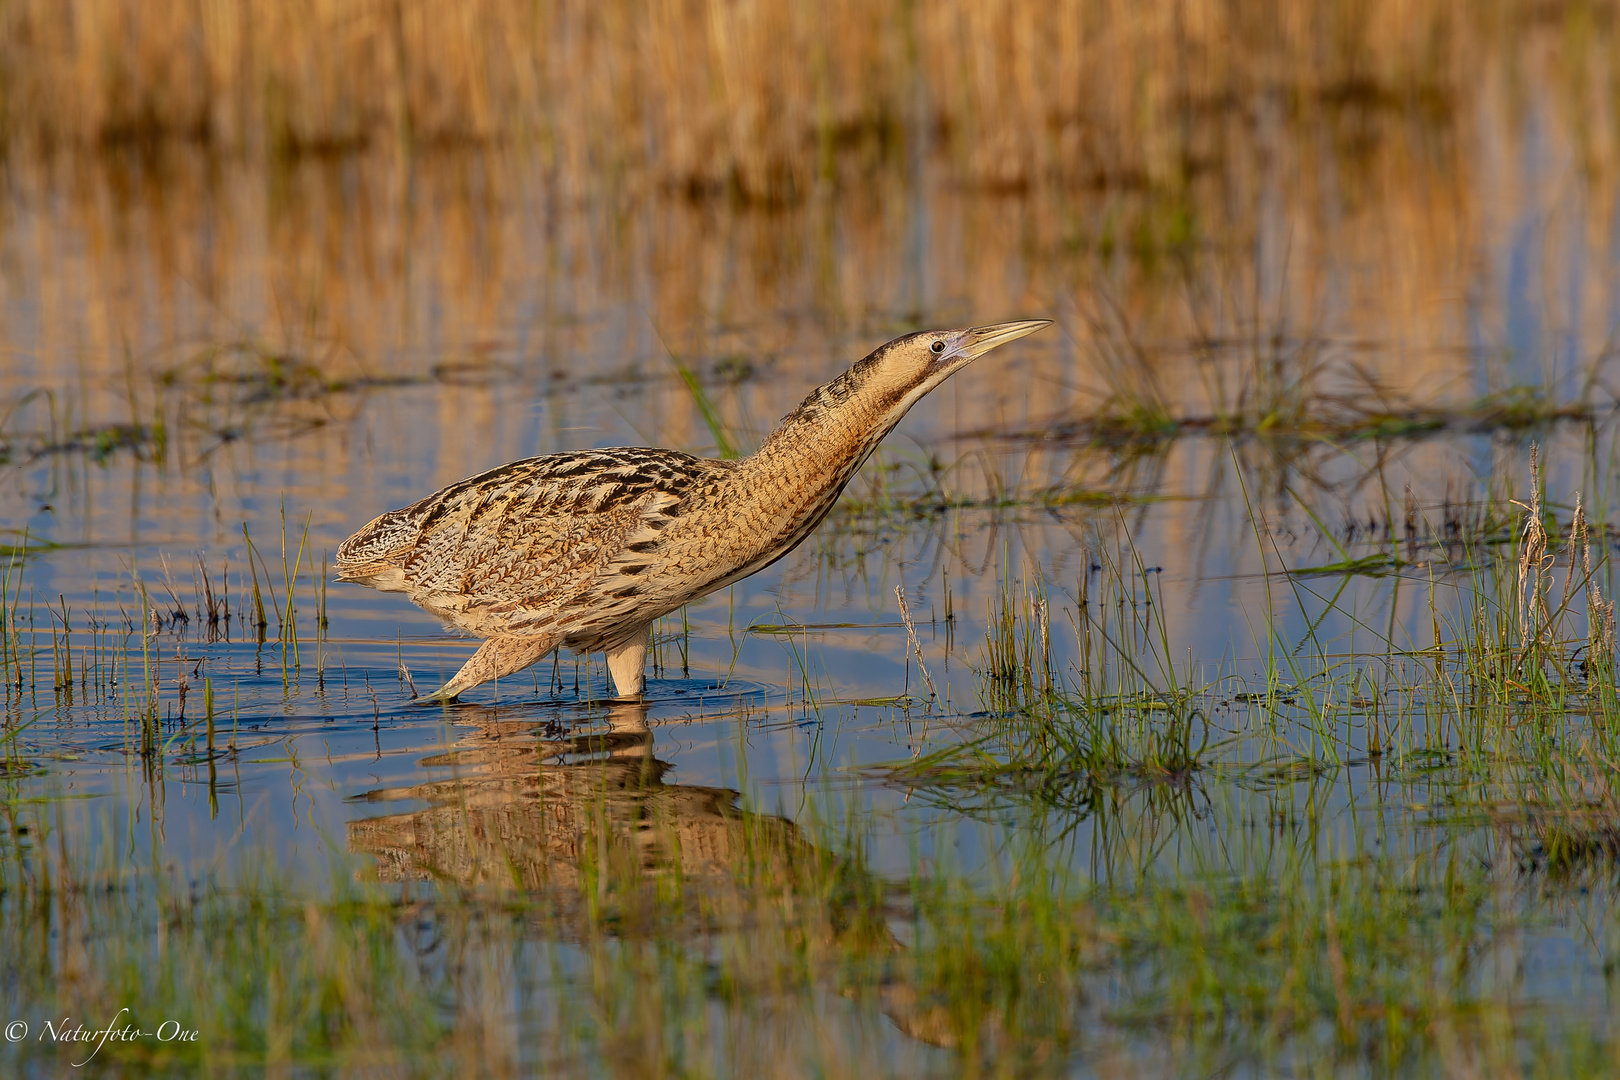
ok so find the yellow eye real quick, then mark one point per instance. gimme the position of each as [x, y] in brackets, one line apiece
[938, 347]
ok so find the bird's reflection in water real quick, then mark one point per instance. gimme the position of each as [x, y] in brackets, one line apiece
[530, 811]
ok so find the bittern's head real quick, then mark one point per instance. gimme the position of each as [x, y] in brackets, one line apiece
[908, 367]
[871, 397]
[865, 402]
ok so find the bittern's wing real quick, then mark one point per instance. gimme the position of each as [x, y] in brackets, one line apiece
[534, 546]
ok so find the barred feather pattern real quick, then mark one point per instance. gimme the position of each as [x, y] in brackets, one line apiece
[557, 545]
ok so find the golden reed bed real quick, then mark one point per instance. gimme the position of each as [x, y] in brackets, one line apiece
[764, 97]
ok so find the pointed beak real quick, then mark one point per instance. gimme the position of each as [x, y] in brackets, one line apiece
[981, 339]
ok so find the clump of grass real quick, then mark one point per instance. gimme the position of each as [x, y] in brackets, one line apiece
[146, 441]
[1521, 407]
[260, 622]
[1017, 669]
[248, 373]
[1511, 660]
[1518, 644]
[58, 432]
[1123, 712]
[1137, 408]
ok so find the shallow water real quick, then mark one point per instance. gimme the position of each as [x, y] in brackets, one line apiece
[191, 349]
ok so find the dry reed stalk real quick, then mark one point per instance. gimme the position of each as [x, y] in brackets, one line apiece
[1577, 530]
[916, 646]
[1600, 613]
[1043, 619]
[1534, 562]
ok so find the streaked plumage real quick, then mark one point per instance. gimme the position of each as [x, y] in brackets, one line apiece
[586, 549]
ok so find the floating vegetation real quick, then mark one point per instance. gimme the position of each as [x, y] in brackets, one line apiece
[1111, 427]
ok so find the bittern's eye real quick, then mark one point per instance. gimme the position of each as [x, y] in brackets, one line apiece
[937, 347]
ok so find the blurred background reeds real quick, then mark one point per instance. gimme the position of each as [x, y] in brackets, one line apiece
[769, 100]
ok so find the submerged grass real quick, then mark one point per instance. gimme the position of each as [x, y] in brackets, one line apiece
[1325, 858]
[1270, 956]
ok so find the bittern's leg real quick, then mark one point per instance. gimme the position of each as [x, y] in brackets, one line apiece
[628, 665]
[496, 658]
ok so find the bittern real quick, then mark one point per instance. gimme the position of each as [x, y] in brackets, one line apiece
[586, 548]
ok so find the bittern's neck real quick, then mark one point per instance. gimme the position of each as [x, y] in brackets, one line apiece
[835, 428]
[786, 488]
[778, 496]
